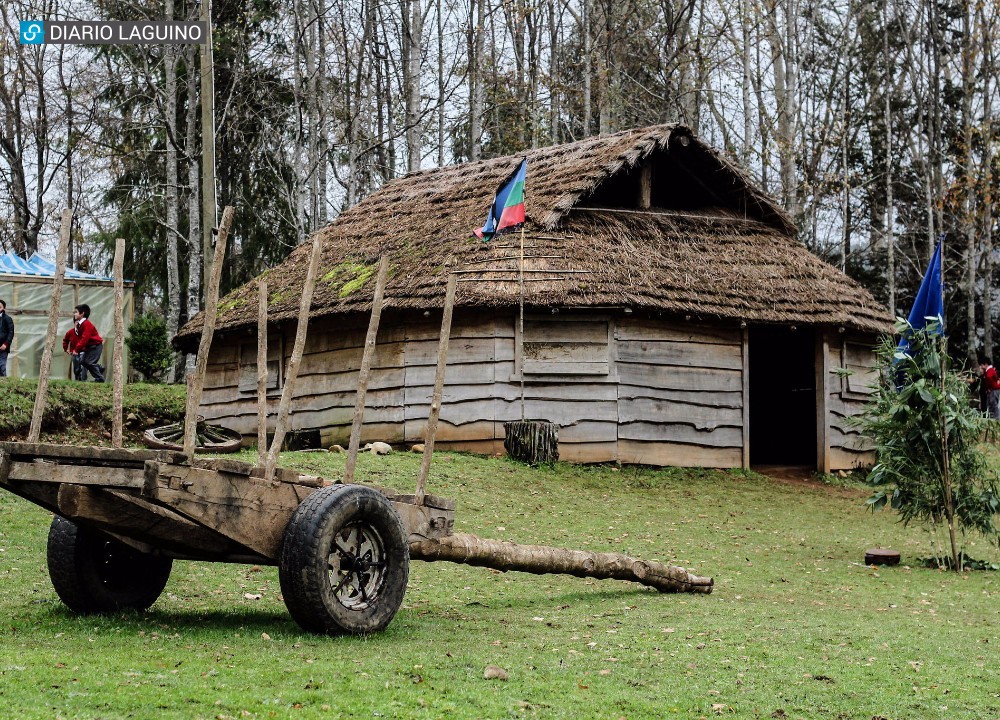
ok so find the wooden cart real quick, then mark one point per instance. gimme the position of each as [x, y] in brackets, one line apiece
[123, 516]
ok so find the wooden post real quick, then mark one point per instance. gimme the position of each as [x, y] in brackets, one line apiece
[822, 402]
[196, 385]
[646, 184]
[118, 365]
[366, 364]
[746, 397]
[262, 371]
[292, 372]
[50, 335]
[435, 413]
[520, 327]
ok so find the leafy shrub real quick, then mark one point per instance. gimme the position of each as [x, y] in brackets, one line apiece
[149, 347]
[927, 433]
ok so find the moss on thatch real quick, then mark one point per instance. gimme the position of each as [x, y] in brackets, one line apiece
[712, 245]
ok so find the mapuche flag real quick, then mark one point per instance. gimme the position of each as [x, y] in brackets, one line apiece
[507, 211]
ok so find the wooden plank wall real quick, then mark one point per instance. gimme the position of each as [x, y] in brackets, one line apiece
[848, 448]
[475, 357]
[673, 394]
[680, 393]
[399, 388]
[583, 403]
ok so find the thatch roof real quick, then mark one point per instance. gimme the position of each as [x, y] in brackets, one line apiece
[711, 245]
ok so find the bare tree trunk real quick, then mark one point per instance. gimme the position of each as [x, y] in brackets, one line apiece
[413, 60]
[968, 219]
[748, 113]
[555, 72]
[989, 73]
[781, 39]
[442, 87]
[588, 62]
[602, 20]
[210, 205]
[322, 101]
[310, 47]
[171, 199]
[890, 237]
[301, 114]
[531, 18]
[542, 560]
[477, 101]
[191, 149]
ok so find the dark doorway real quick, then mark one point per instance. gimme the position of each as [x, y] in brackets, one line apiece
[782, 396]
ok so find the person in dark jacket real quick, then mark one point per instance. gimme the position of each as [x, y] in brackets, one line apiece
[87, 344]
[6, 337]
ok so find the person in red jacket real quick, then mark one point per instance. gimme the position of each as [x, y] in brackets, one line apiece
[69, 340]
[991, 386]
[86, 344]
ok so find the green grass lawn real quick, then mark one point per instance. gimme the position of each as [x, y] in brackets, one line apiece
[797, 627]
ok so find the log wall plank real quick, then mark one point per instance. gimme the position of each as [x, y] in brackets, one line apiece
[678, 455]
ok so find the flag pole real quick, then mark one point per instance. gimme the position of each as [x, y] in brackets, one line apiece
[945, 452]
[520, 267]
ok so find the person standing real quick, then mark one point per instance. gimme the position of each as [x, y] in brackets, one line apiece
[87, 344]
[69, 341]
[6, 337]
[991, 386]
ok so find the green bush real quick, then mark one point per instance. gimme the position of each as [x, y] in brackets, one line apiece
[149, 347]
[927, 439]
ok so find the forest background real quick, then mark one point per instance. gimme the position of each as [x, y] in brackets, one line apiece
[870, 122]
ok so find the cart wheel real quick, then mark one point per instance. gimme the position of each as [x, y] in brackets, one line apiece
[94, 573]
[344, 561]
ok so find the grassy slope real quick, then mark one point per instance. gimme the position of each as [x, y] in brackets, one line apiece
[795, 627]
[77, 411]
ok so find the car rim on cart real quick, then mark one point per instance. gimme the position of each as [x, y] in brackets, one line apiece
[357, 564]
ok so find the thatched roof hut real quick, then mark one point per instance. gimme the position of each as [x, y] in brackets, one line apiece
[648, 224]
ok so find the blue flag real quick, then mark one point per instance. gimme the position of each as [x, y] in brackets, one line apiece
[929, 302]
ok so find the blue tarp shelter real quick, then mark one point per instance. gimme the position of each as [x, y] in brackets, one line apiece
[26, 286]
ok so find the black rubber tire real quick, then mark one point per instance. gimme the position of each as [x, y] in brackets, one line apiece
[325, 587]
[94, 573]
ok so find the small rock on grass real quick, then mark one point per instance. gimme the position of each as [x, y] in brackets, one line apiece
[494, 672]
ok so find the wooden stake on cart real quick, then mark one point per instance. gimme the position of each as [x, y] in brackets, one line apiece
[365, 371]
[292, 372]
[196, 382]
[262, 372]
[435, 413]
[50, 335]
[117, 360]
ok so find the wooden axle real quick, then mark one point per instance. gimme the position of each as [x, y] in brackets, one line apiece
[542, 560]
